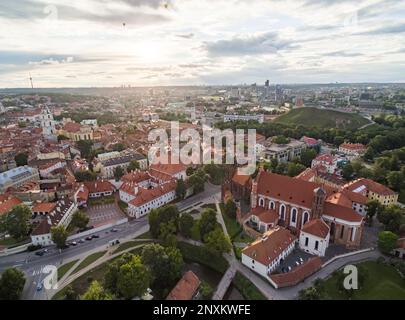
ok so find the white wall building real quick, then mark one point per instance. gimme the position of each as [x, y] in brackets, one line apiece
[314, 237]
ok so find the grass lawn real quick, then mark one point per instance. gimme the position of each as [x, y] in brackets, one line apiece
[383, 282]
[102, 200]
[89, 260]
[200, 255]
[129, 244]
[231, 224]
[10, 242]
[81, 284]
[145, 235]
[123, 206]
[65, 268]
[243, 237]
[247, 289]
[322, 118]
[210, 206]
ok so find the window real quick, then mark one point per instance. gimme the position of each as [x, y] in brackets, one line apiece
[306, 241]
[306, 218]
[261, 202]
[293, 215]
[272, 205]
[282, 211]
[342, 231]
[316, 245]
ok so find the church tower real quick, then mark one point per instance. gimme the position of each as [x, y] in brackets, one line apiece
[318, 202]
[47, 124]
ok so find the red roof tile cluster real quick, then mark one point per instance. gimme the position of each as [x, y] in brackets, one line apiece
[270, 245]
[297, 274]
[169, 169]
[186, 288]
[341, 212]
[99, 186]
[146, 195]
[265, 215]
[44, 207]
[72, 127]
[369, 185]
[316, 227]
[7, 203]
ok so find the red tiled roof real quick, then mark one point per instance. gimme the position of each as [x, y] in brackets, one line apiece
[99, 186]
[43, 207]
[72, 127]
[169, 169]
[136, 176]
[147, 195]
[296, 191]
[185, 288]
[270, 245]
[316, 227]
[297, 274]
[341, 212]
[370, 185]
[241, 179]
[7, 203]
[265, 215]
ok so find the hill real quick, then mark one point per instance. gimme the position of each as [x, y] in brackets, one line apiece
[322, 118]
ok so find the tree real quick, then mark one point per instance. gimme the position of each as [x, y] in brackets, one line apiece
[12, 283]
[118, 147]
[21, 159]
[162, 215]
[80, 220]
[294, 169]
[111, 276]
[181, 189]
[208, 222]
[70, 294]
[387, 241]
[391, 217]
[87, 175]
[62, 137]
[347, 171]
[307, 156]
[217, 242]
[230, 209]
[186, 223]
[167, 233]
[206, 290]
[85, 148]
[197, 183]
[310, 293]
[190, 171]
[164, 263]
[133, 166]
[59, 236]
[16, 222]
[96, 292]
[133, 279]
[395, 180]
[373, 208]
[118, 173]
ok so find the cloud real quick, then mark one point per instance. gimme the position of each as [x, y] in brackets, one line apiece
[342, 53]
[185, 36]
[389, 29]
[264, 43]
[51, 61]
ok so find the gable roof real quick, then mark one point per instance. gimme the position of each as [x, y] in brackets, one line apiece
[316, 227]
[7, 203]
[146, 195]
[270, 245]
[341, 212]
[185, 288]
[296, 191]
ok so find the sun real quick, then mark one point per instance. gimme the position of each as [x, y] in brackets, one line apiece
[149, 51]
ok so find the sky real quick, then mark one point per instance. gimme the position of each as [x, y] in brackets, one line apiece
[98, 43]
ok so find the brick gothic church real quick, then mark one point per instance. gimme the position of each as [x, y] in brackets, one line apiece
[305, 206]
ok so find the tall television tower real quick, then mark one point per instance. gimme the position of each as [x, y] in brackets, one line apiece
[32, 85]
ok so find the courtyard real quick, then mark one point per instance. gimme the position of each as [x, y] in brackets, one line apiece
[103, 214]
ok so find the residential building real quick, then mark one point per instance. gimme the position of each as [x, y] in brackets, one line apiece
[186, 288]
[107, 167]
[7, 203]
[280, 152]
[373, 191]
[76, 132]
[265, 254]
[353, 149]
[16, 177]
[61, 215]
[314, 237]
[244, 117]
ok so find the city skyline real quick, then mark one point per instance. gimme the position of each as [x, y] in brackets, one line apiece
[165, 43]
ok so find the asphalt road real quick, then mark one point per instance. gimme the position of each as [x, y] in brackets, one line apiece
[32, 265]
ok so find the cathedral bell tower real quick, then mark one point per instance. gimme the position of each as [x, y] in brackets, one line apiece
[318, 202]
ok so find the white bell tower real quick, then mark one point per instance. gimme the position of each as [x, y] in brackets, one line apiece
[47, 124]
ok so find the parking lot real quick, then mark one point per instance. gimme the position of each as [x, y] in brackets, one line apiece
[104, 214]
[296, 257]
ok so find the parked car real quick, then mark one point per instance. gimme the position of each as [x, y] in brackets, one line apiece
[95, 236]
[114, 230]
[81, 241]
[74, 243]
[40, 253]
[89, 238]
